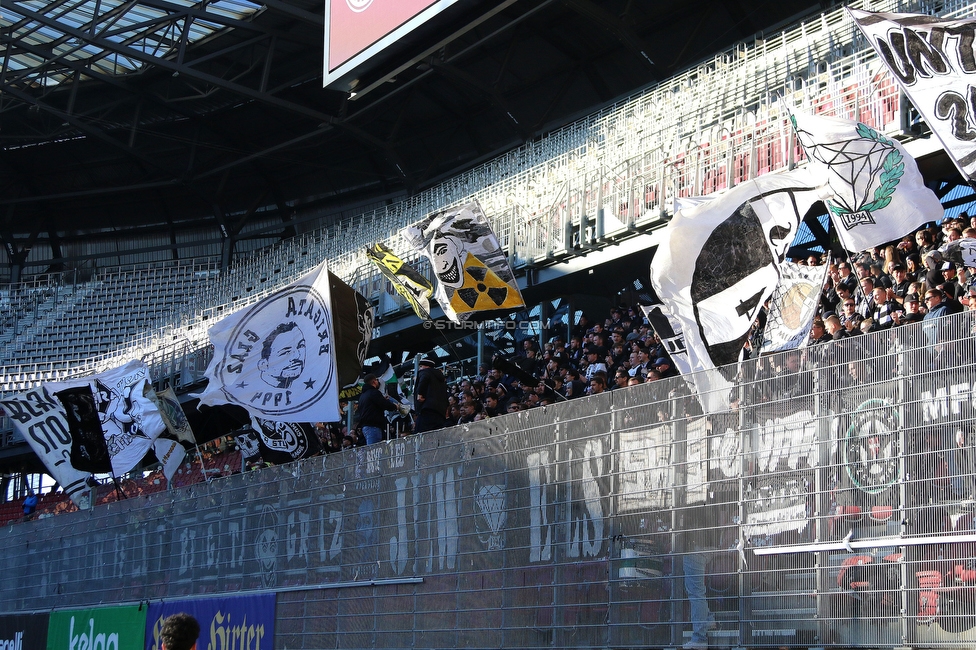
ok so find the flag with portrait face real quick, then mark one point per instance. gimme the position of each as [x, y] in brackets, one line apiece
[792, 307]
[717, 265]
[277, 358]
[473, 274]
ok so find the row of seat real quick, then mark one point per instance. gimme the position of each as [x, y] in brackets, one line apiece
[674, 138]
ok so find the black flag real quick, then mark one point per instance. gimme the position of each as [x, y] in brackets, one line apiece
[89, 453]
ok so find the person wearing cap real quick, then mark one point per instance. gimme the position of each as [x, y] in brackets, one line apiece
[663, 365]
[900, 281]
[430, 397]
[371, 407]
[950, 287]
[595, 361]
[645, 362]
[911, 312]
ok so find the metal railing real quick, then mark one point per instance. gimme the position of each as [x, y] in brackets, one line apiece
[833, 507]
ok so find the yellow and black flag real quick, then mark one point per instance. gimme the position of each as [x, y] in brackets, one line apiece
[472, 269]
[410, 284]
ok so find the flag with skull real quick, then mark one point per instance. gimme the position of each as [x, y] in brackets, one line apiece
[473, 274]
[718, 265]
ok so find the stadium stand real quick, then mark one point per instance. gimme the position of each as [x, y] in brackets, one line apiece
[602, 177]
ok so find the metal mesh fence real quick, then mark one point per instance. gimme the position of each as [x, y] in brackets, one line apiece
[832, 507]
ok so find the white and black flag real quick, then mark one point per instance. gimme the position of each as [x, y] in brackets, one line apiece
[933, 61]
[472, 269]
[792, 307]
[277, 357]
[89, 452]
[129, 419]
[717, 265]
[283, 442]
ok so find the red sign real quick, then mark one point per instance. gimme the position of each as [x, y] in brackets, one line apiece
[355, 25]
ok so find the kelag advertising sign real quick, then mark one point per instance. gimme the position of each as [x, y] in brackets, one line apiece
[238, 623]
[23, 632]
[104, 628]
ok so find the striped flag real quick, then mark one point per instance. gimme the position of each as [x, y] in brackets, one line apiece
[406, 280]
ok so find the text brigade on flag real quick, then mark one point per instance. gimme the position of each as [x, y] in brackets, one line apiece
[277, 357]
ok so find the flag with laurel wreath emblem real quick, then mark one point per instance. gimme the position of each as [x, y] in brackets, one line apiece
[877, 192]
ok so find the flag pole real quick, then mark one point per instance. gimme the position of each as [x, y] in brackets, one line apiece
[203, 468]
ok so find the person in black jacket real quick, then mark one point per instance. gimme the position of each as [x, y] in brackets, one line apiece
[371, 408]
[430, 397]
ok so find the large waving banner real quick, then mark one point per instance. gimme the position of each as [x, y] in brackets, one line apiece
[472, 270]
[41, 420]
[876, 191]
[277, 358]
[719, 262]
[408, 282]
[932, 60]
[130, 421]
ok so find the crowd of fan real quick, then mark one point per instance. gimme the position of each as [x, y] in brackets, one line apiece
[877, 289]
[621, 350]
[880, 288]
[897, 284]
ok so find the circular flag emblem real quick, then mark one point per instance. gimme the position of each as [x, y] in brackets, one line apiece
[279, 359]
[871, 450]
[358, 5]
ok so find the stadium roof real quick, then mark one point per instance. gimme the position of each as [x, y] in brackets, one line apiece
[154, 116]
